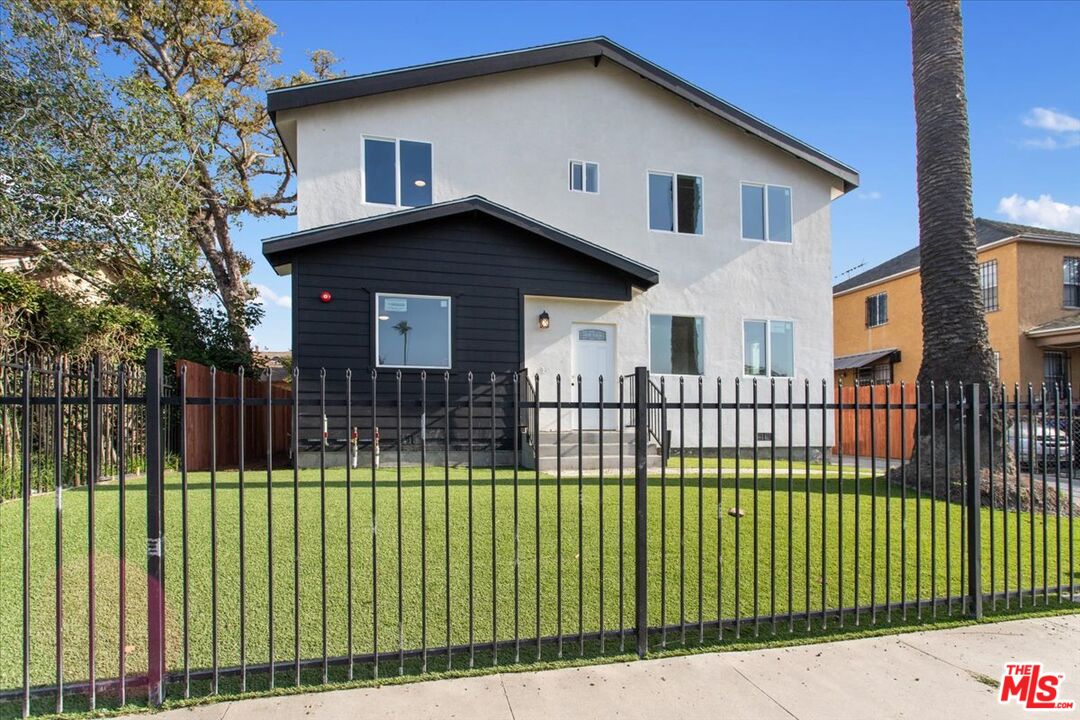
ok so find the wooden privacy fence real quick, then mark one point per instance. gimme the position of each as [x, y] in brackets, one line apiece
[873, 440]
[225, 386]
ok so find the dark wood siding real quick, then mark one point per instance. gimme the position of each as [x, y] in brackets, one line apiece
[482, 263]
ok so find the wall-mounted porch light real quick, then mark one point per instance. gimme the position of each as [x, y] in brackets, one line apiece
[545, 320]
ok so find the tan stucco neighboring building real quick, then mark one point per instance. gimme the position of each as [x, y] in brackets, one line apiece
[1031, 286]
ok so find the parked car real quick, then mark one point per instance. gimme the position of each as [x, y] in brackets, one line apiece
[1051, 445]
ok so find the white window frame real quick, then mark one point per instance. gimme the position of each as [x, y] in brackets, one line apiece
[704, 342]
[768, 347]
[674, 202]
[397, 170]
[449, 330]
[765, 210]
[584, 177]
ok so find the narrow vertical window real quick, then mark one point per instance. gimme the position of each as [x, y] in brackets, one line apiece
[782, 348]
[380, 173]
[753, 212]
[415, 173]
[661, 201]
[754, 332]
[779, 205]
[877, 310]
[1072, 282]
[688, 200]
[592, 177]
[988, 283]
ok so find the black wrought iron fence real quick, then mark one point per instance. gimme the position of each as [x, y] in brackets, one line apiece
[454, 538]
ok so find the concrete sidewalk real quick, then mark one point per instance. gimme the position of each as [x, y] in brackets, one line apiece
[935, 674]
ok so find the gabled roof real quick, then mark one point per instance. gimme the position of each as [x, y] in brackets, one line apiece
[987, 232]
[298, 96]
[279, 249]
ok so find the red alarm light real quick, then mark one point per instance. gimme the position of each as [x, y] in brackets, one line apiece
[325, 296]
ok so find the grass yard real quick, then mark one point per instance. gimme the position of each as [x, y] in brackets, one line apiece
[822, 515]
[764, 465]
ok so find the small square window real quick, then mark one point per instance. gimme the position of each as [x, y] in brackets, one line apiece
[584, 176]
[676, 345]
[397, 172]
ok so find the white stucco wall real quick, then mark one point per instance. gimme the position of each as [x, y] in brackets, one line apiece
[510, 137]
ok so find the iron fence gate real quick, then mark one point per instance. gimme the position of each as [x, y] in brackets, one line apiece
[440, 521]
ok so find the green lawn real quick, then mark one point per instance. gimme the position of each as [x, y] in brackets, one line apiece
[764, 465]
[670, 506]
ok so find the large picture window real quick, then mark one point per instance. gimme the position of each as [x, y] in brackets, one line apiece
[397, 172]
[769, 348]
[412, 331]
[676, 345]
[675, 203]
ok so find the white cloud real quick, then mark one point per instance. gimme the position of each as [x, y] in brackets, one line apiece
[266, 296]
[1065, 129]
[868, 195]
[1052, 120]
[1044, 212]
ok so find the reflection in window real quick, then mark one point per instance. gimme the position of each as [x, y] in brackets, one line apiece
[661, 199]
[413, 331]
[769, 348]
[675, 203]
[397, 172]
[676, 345]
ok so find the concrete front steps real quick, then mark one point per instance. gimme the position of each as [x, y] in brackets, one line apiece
[554, 446]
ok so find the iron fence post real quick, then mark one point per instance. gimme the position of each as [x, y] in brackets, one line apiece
[974, 524]
[641, 478]
[155, 545]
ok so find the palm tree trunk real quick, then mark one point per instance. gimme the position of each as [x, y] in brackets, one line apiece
[955, 345]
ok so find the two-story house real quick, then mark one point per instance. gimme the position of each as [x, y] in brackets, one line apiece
[572, 209]
[1030, 280]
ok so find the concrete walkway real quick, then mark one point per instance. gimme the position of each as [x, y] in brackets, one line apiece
[936, 674]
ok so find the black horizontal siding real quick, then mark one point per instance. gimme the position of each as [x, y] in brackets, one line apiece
[484, 265]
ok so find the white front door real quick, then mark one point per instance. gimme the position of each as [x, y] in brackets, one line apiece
[593, 357]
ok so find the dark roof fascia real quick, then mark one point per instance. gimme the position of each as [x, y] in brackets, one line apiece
[357, 86]
[276, 248]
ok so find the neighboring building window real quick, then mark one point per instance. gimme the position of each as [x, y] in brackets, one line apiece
[988, 281]
[675, 203]
[769, 348]
[1072, 282]
[877, 310]
[1055, 368]
[412, 331]
[766, 212]
[997, 364]
[676, 345]
[397, 172]
[881, 374]
[584, 176]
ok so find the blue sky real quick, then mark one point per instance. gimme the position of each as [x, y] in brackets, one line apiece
[836, 75]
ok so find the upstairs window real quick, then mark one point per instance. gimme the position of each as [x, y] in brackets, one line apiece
[1072, 282]
[584, 176]
[877, 310]
[766, 212]
[769, 348]
[675, 203]
[676, 345]
[397, 172]
[988, 282]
